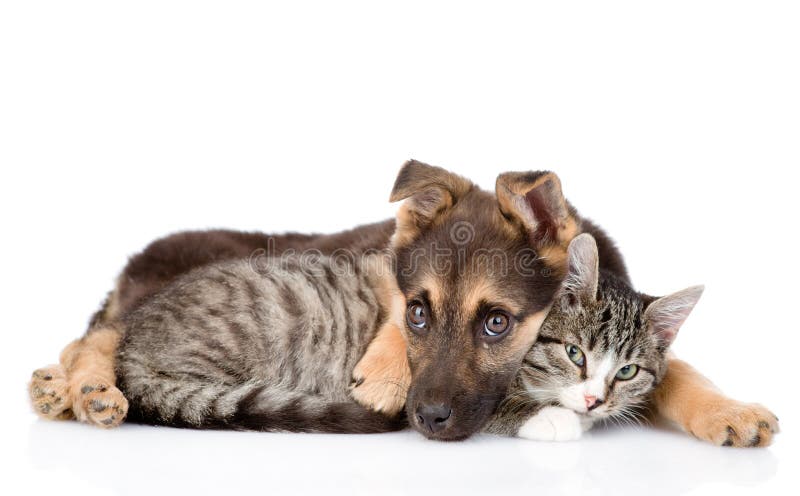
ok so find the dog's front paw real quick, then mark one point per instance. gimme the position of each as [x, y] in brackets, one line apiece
[49, 393]
[552, 423]
[731, 423]
[100, 403]
[380, 387]
[382, 377]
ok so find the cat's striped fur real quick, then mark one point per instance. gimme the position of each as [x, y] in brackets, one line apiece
[271, 347]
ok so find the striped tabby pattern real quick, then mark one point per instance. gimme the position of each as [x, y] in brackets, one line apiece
[228, 346]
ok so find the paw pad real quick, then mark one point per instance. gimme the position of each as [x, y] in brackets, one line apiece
[48, 389]
[738, 425]
[102, 404]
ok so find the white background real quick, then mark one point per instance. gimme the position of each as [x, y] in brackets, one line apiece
[676, 126]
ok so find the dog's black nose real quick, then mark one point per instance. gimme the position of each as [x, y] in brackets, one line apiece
[434, 417]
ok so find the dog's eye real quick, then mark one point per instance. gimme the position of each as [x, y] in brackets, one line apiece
[496, 323]
[417, 316]
[576, 355]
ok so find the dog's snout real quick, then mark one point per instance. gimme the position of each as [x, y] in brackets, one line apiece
[435, 417]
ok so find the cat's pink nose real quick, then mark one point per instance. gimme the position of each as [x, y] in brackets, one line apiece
[590, 401]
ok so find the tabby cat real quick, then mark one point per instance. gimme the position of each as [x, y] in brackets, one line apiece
[599, 355]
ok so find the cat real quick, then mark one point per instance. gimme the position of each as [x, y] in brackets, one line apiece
[264, 347]
[599, 354]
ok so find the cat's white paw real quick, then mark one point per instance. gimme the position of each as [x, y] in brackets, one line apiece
[552, 423]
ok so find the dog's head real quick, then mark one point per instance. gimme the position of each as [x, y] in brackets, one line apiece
[479, 272]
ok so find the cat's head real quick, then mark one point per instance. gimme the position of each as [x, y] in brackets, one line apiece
[602, 348]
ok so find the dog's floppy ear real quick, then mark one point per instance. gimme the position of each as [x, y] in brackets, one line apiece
[535, 200]
[583, 271]
[665, 316]
[428, 192]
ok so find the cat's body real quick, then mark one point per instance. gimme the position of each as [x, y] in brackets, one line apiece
[267, 347]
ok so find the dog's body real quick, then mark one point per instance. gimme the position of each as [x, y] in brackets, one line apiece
[457, 376]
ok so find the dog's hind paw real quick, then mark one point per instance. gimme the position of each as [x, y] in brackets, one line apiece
[49, 393]
[100, 403]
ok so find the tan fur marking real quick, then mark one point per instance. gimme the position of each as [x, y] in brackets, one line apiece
[409, 221]
[526, 332]
[517, 344]
[568, 231]
[89, 364]
[432, 285]
[382, 376]
[113, 306]
[428, 191]
[522, 188]
[694, 403]
[555, 256]
[482, 290]
[406, 230]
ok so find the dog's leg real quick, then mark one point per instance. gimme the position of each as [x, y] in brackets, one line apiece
[693, 402]
[89, 365]
[382, 377]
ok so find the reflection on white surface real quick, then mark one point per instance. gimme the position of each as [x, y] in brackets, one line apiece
[136, 460]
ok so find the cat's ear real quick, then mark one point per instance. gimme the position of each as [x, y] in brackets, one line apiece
[429, 191]
[583, 271]
[665, 316]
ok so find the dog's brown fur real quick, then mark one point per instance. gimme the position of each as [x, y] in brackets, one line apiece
[382, 377]
[457, 250]
[93, 394]
[695, 404]
[530, 205]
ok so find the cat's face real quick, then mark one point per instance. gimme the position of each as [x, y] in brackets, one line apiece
[602, 348]
[597, 359]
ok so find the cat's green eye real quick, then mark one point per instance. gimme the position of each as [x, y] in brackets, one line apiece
[627, 372]
[576, 355]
